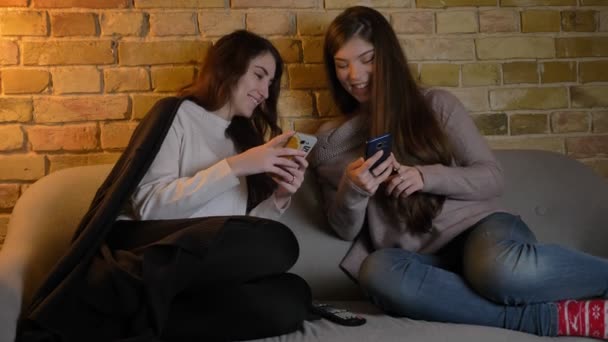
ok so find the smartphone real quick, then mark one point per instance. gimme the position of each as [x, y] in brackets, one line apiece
[381, 143]
[301, 141]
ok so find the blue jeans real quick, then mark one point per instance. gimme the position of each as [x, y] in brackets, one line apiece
[494, 274]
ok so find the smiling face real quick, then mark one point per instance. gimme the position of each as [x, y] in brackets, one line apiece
[252, 88]
[354, 68]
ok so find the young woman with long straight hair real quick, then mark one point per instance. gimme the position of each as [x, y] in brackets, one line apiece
[430, 240]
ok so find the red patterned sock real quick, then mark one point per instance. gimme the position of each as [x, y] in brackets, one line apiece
[587, 318]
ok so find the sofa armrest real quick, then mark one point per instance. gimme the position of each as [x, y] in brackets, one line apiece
[39, 232]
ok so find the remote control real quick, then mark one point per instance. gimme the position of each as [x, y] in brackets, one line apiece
[339, 316]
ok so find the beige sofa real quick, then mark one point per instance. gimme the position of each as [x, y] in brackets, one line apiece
[561, 199]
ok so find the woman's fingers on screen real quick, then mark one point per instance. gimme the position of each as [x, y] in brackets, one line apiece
[386, 170]
[386, 165]
[381, 169]
[372, 160]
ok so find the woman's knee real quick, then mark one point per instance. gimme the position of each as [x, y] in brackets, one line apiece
[289, 303]
[499, 227]
[375, 268]
[282, 239]
[274, 238]
[504, 275]
[387, 277]
[509, 289]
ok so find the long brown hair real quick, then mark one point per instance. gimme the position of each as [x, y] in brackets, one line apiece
[226, 62]
[397, 105]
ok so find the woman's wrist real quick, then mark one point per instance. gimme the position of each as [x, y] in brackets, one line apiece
[234, 164]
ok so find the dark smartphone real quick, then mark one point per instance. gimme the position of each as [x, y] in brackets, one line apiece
[381, 143]
[339, 316]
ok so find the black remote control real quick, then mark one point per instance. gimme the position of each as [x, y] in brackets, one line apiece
[339, 316]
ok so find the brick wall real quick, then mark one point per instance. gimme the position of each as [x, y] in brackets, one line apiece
[77, 75]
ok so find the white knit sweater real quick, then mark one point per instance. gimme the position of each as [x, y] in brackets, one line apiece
[190, 176]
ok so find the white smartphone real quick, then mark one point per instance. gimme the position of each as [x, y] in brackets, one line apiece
[302, 141]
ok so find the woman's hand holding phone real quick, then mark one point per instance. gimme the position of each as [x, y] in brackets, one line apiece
[270, 157]
[285, 165]
[360, 172]
[287, 187]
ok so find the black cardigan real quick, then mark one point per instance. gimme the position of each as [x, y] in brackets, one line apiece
[53, 307]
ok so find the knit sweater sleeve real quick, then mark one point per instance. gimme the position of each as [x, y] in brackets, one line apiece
[269, 209]
[344, 202]
[346, 208]
[475, 173]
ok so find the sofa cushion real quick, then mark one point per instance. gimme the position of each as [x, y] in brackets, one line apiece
[382, 328]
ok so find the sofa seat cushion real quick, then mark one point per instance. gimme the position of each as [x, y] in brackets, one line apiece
[383, 328]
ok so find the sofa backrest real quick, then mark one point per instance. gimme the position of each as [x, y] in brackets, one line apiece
[561, 199]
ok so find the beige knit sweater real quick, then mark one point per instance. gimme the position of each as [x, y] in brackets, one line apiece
[471, 186]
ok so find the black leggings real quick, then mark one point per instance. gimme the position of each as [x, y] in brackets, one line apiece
[219, 278]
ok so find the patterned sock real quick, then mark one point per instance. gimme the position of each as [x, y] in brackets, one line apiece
[587, 318]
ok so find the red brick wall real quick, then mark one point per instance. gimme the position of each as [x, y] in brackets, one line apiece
[77, 75]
